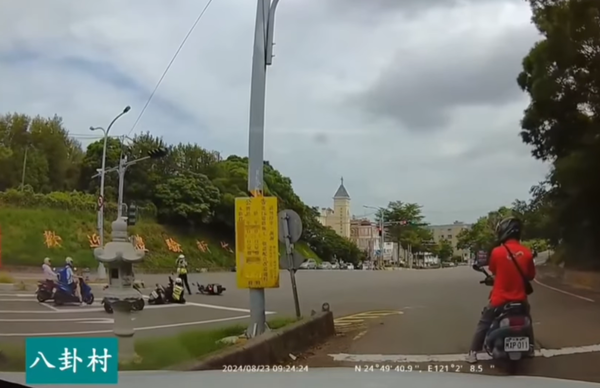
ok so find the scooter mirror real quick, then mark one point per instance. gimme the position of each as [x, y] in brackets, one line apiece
[476, 267]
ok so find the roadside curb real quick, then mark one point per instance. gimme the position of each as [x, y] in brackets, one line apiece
[271, 348]
[582, 280]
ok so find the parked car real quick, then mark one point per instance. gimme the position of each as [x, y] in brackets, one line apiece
[325, 265]
[349, 266]
[335, 266]
[309, 264]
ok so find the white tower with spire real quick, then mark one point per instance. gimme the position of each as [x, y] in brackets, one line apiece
[341, 211]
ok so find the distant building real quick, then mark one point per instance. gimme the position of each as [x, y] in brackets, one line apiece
[449, 233]
[363, 233]
[338, 218]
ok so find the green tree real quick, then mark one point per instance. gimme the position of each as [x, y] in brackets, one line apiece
[561, 74]
[188, 197]
[406, 225]
[445, 250]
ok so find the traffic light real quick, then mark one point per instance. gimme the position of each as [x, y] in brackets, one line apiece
[379, 231]
[158, 152]
[131, 214]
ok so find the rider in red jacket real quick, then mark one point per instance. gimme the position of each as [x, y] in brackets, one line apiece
[508, 283]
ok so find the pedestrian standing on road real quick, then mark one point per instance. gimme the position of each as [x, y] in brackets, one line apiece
[182, 270]
[510, 284]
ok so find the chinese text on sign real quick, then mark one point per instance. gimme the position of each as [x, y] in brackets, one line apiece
[256, 244]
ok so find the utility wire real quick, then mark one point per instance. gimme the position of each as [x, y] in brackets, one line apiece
[169, 65]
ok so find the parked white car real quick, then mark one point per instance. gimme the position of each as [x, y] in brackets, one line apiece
[309, 264]
[349, 266]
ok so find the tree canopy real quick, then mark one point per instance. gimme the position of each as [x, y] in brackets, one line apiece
[561, 74]
[190, 187]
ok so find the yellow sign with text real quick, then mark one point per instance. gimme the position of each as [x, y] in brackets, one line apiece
[256, 244]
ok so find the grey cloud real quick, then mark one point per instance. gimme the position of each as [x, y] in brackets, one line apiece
[368, 9]
[420, 92]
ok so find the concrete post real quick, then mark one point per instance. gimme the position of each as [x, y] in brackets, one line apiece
[120, 255]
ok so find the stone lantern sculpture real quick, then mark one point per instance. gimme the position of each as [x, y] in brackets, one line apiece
[119, 255]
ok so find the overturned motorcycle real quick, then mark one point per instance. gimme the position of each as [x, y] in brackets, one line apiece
[172, 293]
[510, 337]
[138, 305]
[210, 289]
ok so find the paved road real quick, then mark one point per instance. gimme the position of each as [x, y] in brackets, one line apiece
[437, 313]
[384, 317]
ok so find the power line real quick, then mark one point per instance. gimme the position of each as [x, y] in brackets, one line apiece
[169, 65]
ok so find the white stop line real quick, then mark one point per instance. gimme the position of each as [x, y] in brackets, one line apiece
[418, 358]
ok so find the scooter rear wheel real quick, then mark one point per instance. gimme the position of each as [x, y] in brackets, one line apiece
[108, 308]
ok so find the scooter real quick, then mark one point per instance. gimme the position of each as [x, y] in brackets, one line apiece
[210, 289]
[45, 290]
[138, 305]
[161, 294]
[509, 338]
[64, 293]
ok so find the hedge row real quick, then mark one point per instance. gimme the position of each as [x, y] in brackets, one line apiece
[68, 201]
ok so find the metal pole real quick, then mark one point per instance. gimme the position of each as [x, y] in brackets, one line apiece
[122, 168]
[290, 254]
[381, 238]
[24, 168]
[101, 270]
[263, 40]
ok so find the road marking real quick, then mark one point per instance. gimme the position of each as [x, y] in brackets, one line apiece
[417, 358]
[71, 333]
[208, 306]
[359, 318]
[359, 335]
[49, 306]
[100, 320]
[80, 320]
[563, 291]
[83, 309]
[217, 307]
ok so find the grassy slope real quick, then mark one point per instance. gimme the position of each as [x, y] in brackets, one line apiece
[22, 239]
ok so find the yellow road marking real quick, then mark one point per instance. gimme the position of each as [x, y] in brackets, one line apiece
[361, 317]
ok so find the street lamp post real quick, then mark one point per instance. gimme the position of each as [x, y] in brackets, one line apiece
[101, 270]
[261, 58]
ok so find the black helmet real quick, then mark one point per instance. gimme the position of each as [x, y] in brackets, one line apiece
[509, 228]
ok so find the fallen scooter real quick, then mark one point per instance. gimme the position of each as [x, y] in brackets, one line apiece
[138, 305]
[210, 289]
[161, 294]
[509, 338]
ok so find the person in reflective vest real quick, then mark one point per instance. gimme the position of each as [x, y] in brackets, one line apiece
[178, 292]
[182, 270]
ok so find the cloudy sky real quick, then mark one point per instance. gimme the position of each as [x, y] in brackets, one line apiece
[407, 100]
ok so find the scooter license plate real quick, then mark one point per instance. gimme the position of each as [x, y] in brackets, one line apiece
[516, 344]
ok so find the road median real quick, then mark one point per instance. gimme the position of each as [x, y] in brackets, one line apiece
[273, 348]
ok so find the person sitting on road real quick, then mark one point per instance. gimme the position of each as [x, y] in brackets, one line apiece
[178, 292]
[49, 273]
[72, 279]
[508, 283]
[182, 272]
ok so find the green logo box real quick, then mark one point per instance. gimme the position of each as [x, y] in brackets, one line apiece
[71, 360]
